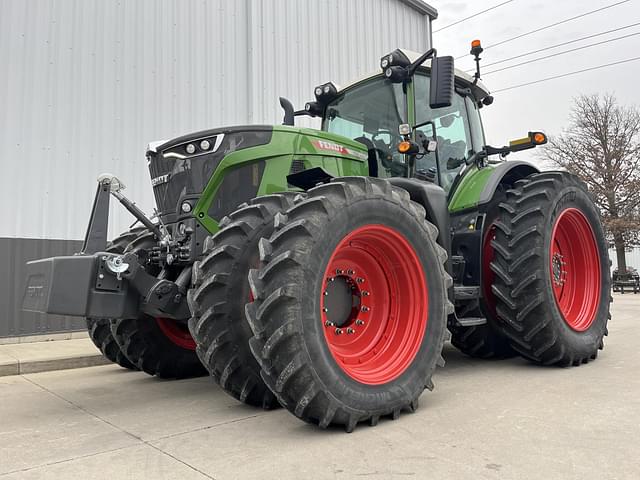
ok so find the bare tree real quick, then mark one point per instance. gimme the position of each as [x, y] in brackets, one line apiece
[602, 147]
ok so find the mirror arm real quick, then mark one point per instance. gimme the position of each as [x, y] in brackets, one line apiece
[478, 156]
[487, 151]
[497, 150]
[411, 69]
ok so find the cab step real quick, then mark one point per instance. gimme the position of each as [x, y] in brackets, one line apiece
[471, 321]
[463, 292]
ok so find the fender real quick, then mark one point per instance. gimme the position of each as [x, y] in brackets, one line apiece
[477, 185]
[505, 173]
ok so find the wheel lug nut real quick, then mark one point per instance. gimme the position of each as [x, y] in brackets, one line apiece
[364, 309]
[338, 271]
[350, 272]
[350, 331]
[325, 309]
[365, 293]
[359, 322]
[325, 293]
[338, 331]
[329, 324]
[360, 280]
[330, 279]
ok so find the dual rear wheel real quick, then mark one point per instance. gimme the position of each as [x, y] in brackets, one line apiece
[551, 267]
[545, 275]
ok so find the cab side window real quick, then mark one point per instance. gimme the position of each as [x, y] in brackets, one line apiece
[452, 131]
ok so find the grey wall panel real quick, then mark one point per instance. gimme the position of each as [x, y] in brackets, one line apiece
[14, 253]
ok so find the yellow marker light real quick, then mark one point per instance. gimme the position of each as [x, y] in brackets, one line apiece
[475, 43]
[519, 141]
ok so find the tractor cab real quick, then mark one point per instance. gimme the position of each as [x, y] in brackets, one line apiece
[372, 111]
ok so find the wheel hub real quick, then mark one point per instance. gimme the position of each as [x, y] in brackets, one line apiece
[373, 304]
[342, 301]
[557, 268]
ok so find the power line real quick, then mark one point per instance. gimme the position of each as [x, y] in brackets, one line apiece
[567, 74]
[556, 46]
[471, 16]
[564, 52]
[546, 27]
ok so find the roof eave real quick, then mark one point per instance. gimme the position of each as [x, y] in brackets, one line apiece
[423, 8]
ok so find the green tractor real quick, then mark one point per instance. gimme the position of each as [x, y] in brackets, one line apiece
[323, 270]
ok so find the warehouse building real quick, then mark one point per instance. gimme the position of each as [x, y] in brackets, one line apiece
[88, 83]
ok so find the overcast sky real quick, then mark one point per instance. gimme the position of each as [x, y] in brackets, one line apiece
[544, 106]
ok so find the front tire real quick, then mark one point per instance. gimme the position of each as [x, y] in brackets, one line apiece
[350, 308]
[157, 346]
[220, 293]
[552, 271]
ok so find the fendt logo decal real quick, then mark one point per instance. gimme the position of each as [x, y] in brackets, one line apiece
[337, 148]
[160, 180]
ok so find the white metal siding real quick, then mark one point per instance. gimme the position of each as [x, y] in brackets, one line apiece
[298, 45]
[85, 84]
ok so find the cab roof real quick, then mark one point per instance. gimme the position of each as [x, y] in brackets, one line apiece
[479, 89]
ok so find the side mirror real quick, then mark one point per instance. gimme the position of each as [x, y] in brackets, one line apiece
[442, 82]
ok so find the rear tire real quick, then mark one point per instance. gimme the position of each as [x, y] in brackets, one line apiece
[383, 365]
[220, 294]
[481, 341]
[484, 341]
[100, 328]
[552, 279]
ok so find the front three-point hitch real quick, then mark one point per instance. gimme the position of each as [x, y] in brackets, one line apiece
[100, 284]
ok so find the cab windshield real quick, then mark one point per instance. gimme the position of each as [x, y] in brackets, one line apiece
[371, 114]
[372, 111]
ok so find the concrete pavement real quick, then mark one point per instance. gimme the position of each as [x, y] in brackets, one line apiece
[19, 358]
[485, 420]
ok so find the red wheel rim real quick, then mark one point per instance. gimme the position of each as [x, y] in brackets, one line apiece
[379, 330]
[575, 269]
[487, 274]
[177, 332]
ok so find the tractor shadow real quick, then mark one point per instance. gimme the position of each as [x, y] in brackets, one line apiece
[457, 361]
